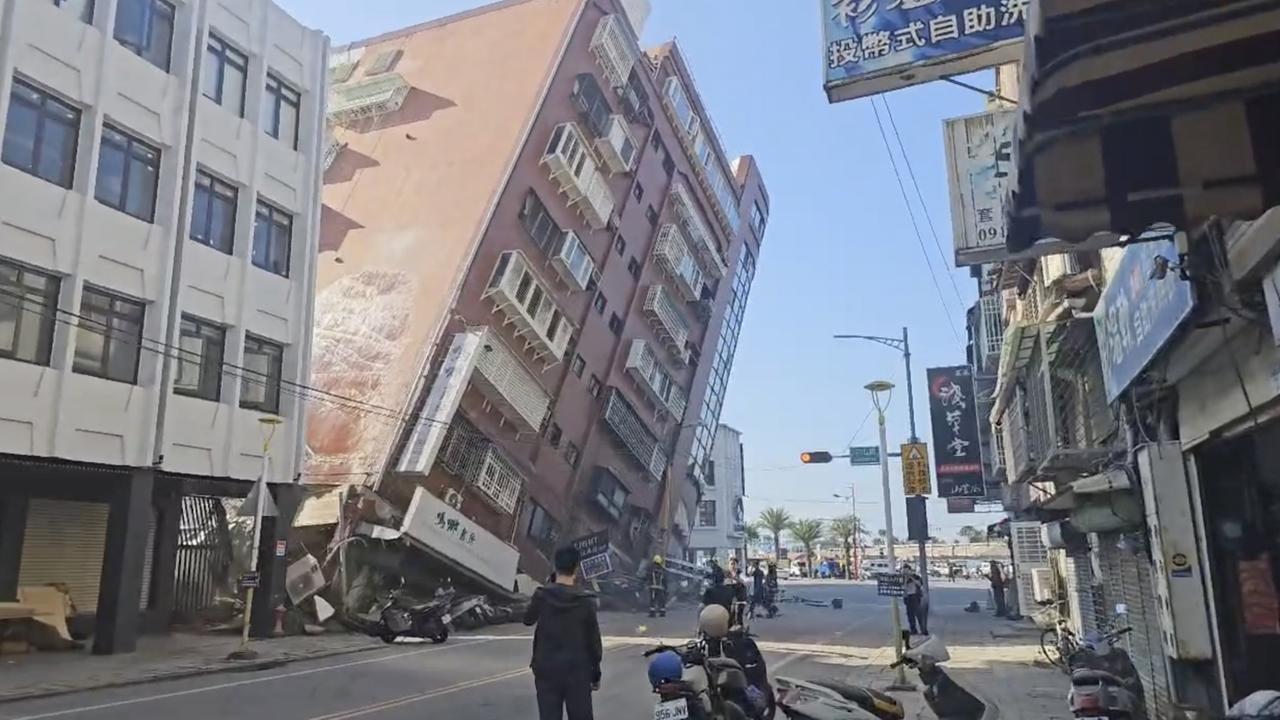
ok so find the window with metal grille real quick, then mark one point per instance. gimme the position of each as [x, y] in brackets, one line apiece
[499, 481]
[41, 134]
[384, 62]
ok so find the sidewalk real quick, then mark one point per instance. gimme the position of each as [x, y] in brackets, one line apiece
[160, 657]
[997, 657]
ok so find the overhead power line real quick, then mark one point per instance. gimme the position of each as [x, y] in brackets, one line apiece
[942, 301]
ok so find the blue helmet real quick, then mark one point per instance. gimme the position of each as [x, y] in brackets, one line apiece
[665, 667]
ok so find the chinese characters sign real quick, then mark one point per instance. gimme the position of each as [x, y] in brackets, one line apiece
[873, 46]
[957, 445]
[979, 167]
[594, 551]
[440, 528]
[1137, 315]
[442, 402]
[915, 469]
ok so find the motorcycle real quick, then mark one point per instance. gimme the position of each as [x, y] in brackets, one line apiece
[830, 700]
[402, 616]
[1104, 683]
[701, 691]
[948, 697]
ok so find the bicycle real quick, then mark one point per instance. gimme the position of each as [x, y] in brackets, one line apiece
[1058, 644]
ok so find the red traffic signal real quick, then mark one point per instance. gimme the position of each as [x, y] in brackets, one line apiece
[815, 457]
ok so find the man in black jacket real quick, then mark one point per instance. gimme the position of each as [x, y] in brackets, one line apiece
[566, 644]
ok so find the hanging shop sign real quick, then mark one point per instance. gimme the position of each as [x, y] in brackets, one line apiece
[979, 168]
[1139, 311]
[957, 445]
[442, 402]
[441, 528]
[874, 46]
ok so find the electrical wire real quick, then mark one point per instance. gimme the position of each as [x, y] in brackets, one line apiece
[914, 223]
[911, 173]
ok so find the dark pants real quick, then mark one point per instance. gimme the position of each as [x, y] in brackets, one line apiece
[657, 600]
[1002, 608]
[915, 615]
[561, 693]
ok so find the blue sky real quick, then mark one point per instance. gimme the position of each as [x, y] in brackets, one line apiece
[840, 255]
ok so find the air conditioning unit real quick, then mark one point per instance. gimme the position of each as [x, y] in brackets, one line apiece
[1042, 585]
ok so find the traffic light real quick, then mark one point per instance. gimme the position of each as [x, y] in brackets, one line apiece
[815, 457]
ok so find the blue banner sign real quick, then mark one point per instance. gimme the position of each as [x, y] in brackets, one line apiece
[1137, 313]
[873, 46]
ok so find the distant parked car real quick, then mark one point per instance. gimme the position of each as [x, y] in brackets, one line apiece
[874, 568]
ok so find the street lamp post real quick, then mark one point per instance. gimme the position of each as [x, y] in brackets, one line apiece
[903, 345]
[877, 388]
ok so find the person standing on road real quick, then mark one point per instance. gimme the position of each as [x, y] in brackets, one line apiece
[566, 644]
[757, 588]
[913, 598]
[997, 589]
[658, 587]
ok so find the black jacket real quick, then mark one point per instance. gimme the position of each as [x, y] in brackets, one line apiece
[568, 634]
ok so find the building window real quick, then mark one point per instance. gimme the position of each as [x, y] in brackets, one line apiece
[213, 212]
[272, 236]
[572, 455]
[600, 303]
[554, 433]
[145, 27]
[656, 143]
[82, 8]
[633, 267]
[28, 311]
[542, 527]
[615, 324]
[263, 366]
[109, 338]
[668, 165]
[384, 62]
[637, 192]
[280, 111]
[595, 387]
[707, 513]
[535, 218]
[611, 494]
[651, 215]
[200, 352]
[128, 174]
[224, 74]
[579, 365]
[40, 134]
[758, 219]
[620, 246]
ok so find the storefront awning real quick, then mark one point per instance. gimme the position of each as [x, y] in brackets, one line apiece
[1015, 352]
[1145, 114]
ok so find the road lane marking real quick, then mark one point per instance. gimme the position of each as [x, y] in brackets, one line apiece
[240, 683]
[429, 694]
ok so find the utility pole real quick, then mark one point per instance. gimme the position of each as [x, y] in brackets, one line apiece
[876, 388]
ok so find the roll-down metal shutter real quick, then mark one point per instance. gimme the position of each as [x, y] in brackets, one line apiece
[1080, 594]
[1128, 580]
[145, 600]
[63, 544]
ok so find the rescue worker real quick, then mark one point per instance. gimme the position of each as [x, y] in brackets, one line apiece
[658, 587]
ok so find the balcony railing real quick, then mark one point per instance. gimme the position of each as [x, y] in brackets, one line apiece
[375, 96]
[498, 480]
[698, 138]
[331, 151]
[699, 235]
[573, 262]
[643, 365]
[509, 385]
[573, 167]
[675, 257]
[991, 328]
[614, 49]
[522, 296]
[667, 320]
[626, 425]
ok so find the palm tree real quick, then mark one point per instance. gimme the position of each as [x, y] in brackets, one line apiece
[750, 536]
[775, 520]
[970, 534]
[845, 531]
[807, 532]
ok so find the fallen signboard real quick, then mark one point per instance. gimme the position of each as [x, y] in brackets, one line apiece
[594, 552]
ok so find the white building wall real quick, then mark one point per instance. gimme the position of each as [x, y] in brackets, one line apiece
[726, 535]
[53, 412]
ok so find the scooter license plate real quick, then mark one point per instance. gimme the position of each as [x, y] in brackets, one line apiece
[672, 710]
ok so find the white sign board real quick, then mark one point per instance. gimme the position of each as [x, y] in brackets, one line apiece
[979, 168]
[441, 528]
[442, 402]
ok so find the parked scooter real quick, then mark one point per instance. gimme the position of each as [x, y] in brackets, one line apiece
[1104, 682]
[830, 700]
[402, 616]
[947, 696]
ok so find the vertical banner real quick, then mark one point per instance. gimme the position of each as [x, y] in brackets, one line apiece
[957, 445]
[442, 402]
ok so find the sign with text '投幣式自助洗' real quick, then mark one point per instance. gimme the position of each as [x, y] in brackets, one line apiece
[874, 46]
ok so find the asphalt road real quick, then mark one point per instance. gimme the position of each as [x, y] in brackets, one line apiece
[485, 676]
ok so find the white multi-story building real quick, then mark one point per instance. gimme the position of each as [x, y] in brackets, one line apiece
[161, 174]
[719, 525]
